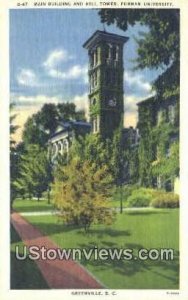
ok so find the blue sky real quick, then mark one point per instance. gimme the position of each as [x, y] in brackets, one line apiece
[49, 64]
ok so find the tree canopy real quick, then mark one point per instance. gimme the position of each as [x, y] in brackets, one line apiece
[157, 48]
[35, 173]
[41, 125]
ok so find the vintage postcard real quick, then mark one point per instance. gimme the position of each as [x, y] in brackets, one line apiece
[94, 149]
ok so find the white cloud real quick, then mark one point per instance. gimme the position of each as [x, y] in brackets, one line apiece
[55, 58]
[130, 103]
[27, 77]
[74, 72]
[22, 114]
[137, 80]
[33, 101]
[131, 110]
[54, 66]
[82, 103]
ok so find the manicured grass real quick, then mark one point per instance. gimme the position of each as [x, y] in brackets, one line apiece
[134, 229]
[24, 273]
[27, 205]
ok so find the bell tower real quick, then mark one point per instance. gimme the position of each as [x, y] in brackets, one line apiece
[105, 73]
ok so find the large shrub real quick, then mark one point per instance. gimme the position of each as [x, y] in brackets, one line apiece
[165, 200]
[82, 192]
[139, 198]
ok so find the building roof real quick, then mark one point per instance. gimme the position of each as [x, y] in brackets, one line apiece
[99, 35]
[159, 100]
[146, 101]
[65, 126]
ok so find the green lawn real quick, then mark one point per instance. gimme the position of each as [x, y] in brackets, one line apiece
[27, 205]
[24, 273]
[134, 229]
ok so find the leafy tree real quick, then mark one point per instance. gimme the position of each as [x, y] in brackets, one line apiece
[91, 148]
[117, 158]
[41, 125]
[157, 48]
[81, 193]
[110, 152]
[47, 118]
[13, 127]
[33, 133]
[14, 159]
[35, 172]
[167, 166]
[67, 111]
[15, 165]
[132, 159]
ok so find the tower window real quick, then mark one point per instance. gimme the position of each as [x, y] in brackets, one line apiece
[95, 79]
[95, 125]
[110, 77]
[96, 56]
[91, 82]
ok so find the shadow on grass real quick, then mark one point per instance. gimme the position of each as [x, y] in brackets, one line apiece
[24, 274]
[34, 208]
[147, 213]
[107, 232]
[59, 227]
[14, 237]
[163, 273]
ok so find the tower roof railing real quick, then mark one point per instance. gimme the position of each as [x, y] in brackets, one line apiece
[99, 35]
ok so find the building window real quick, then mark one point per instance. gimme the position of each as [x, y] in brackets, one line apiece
[91, 59]
[114, 55]
[168, 185]
[66, 146]
[159, 182]
[171, 114]
[159, 117]
[117, 52]
[107, 51]
[167, 150]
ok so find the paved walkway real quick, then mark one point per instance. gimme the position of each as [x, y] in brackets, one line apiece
[39, 213]
[59, 274]
[55, 212]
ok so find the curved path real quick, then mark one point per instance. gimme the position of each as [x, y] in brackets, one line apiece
[59, 274]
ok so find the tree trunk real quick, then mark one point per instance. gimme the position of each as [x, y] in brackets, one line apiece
[121, 199]
[48, 196]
